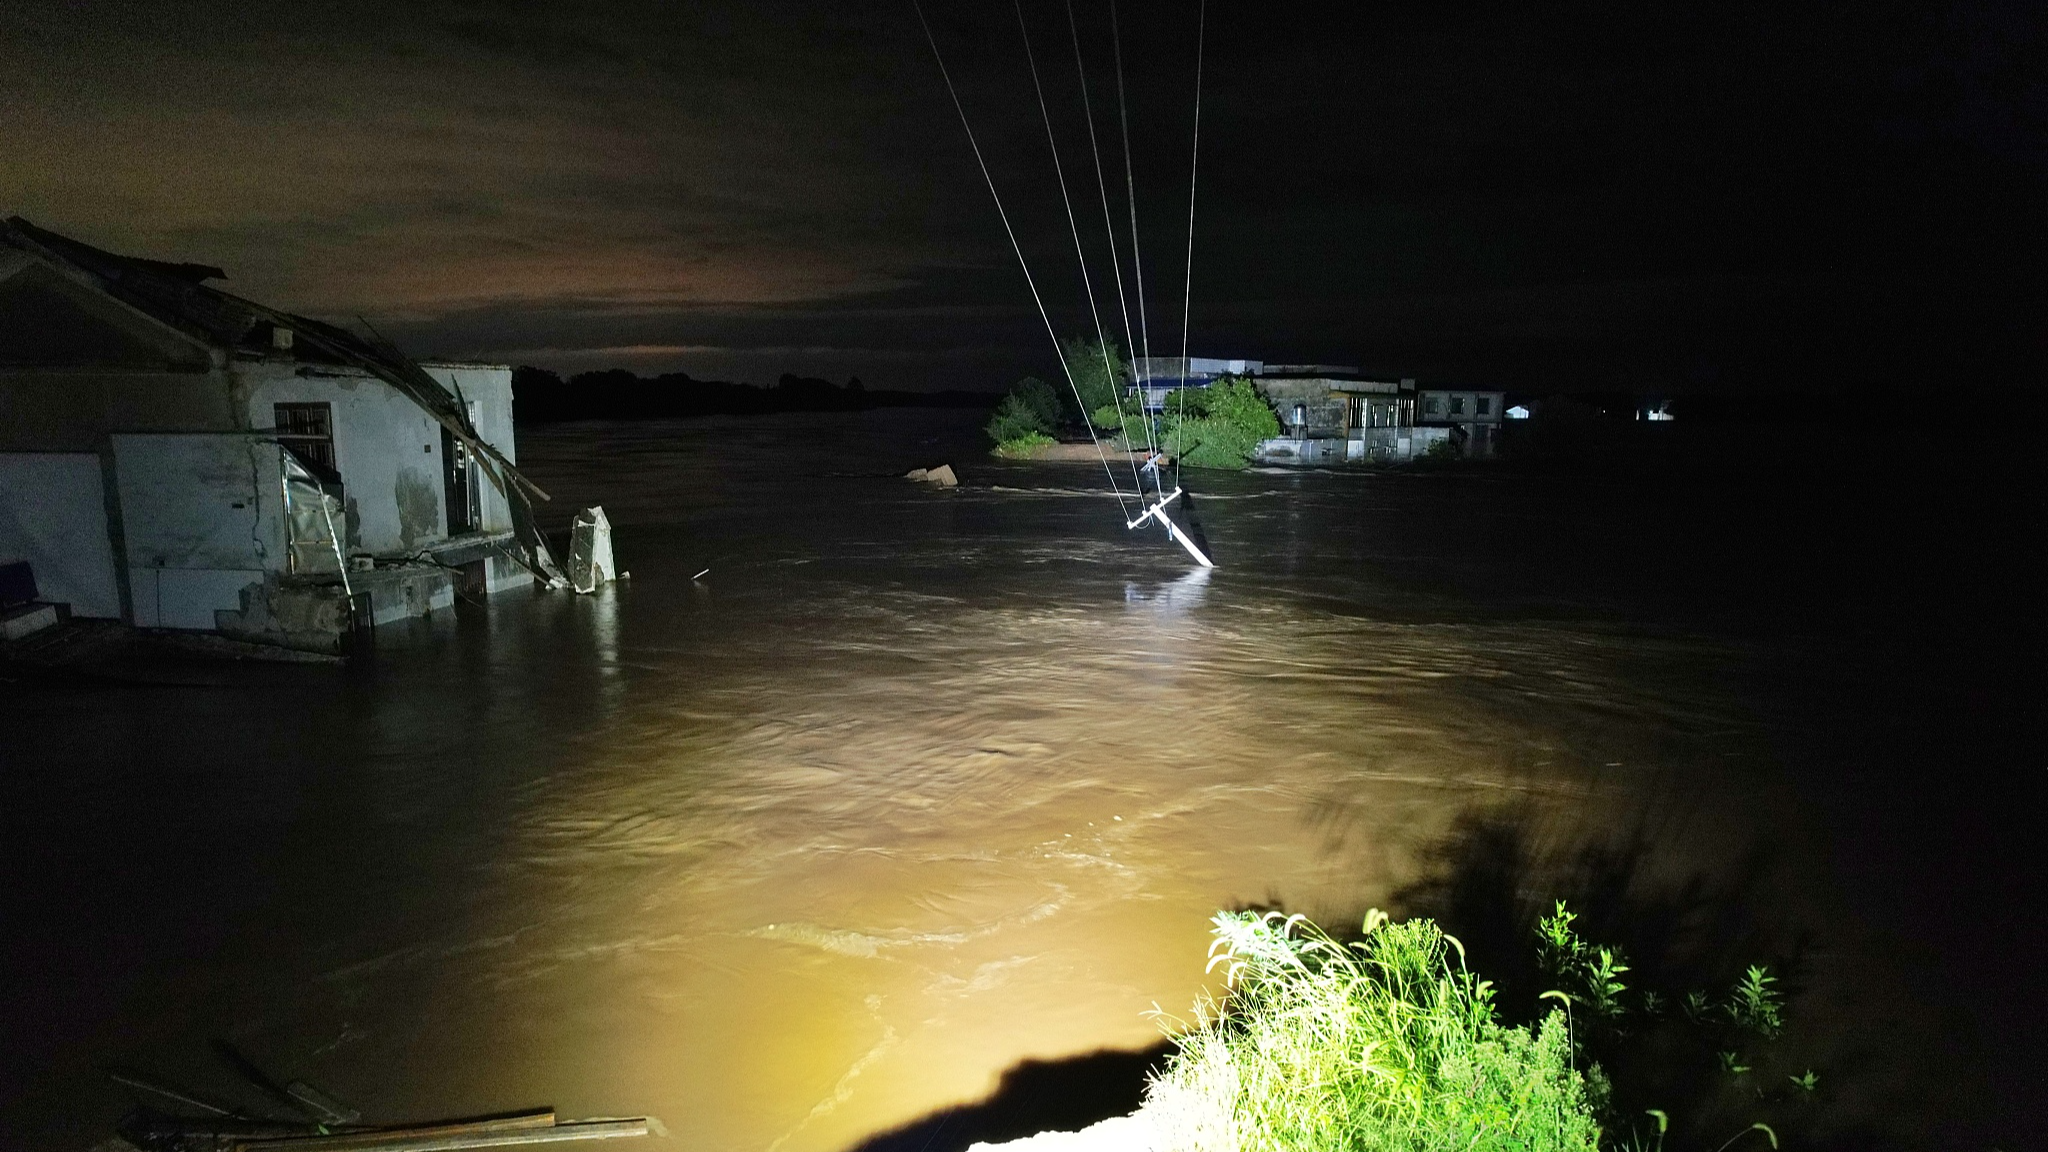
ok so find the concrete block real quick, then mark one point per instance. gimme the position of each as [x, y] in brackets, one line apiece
[504, 573]
[27, 619]
[304, 617]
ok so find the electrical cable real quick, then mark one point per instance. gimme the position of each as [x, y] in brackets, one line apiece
[1080, 256]
[1187, 295]
[1019, 250]
[1131, 198]
[1102, 189]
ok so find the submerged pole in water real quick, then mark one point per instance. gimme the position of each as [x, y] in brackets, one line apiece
[1174, 533]
[1158, 512]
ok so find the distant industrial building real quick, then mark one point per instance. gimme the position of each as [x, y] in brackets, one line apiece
[1334, 414]
[176, 457]
[1474, 416]
[1156, 376]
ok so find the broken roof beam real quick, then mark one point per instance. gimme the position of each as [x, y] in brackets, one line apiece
[411, 380]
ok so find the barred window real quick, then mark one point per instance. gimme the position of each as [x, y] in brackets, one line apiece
[308, 430]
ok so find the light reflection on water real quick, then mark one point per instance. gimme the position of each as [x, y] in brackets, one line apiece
[823, 892]
[914, 785]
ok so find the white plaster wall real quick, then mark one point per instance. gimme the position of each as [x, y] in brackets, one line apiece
[1469, 415]
[201, 519]
[53, 514]
[387, 450]
[385, 445]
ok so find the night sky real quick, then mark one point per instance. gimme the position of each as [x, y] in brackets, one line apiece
[1726, 196]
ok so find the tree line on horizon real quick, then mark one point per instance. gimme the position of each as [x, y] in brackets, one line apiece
[540, 396]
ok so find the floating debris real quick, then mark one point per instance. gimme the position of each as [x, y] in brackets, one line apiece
[941, 475]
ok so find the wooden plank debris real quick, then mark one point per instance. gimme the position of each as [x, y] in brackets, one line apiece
[498, 1132]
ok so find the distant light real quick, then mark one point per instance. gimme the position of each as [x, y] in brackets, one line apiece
[1518, 412]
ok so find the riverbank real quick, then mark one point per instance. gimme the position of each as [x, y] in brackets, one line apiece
[1075, 452]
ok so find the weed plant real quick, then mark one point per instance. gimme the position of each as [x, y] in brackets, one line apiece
[1390, 1042]
[1385, 1043]
[1715, 1055]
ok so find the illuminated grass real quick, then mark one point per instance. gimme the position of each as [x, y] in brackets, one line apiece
[1024, 446]
[1387, 1043]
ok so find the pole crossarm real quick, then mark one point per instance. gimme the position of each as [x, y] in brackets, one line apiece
[1158, 509]
[1173, 531]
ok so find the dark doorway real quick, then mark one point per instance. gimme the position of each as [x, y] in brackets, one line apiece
[458, 476]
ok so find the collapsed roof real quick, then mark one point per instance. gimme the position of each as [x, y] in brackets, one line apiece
[177, 296]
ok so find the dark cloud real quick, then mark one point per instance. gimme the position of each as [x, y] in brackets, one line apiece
[1747, 192]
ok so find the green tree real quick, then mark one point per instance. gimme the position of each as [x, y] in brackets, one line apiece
[1042, 400]
[1100, 372]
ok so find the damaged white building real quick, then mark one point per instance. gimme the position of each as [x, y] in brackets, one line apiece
[173, 456]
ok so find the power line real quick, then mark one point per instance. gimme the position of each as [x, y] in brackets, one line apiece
[1080, 256]
[1187, 295]
[1131, 198]
[1019, 250]
[1116, 264]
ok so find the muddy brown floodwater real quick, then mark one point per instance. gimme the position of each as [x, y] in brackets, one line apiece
[919, 784]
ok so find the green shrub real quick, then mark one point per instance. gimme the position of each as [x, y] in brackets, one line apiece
[1210, 442]
[1031, 408]
[1129, 426]
[1589, 974]
[1219, 426]
[1132, 430]
[1381, 1044]
[1237, 400]
[1013, 418]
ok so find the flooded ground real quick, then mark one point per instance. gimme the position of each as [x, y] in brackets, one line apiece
[917, 784]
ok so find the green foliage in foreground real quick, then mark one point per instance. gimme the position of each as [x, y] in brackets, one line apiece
[1387, 1043]
[1715, 1059]
[1218, 426]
